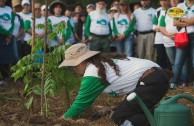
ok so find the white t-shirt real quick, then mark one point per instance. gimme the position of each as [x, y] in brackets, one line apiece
[56, 20]
[159, 36]
[189, 14]
[38, 21]
[5, 17]
[144, 18]
[25, 17]
[99, 23]
[130, 72]
[122, 22]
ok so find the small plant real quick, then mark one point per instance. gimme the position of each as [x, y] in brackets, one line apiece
[55, 80]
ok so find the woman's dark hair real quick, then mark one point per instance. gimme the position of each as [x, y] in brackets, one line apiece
[99, 61]
[79, 28]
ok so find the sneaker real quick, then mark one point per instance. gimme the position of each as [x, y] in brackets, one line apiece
[172, 86]
[127, 123]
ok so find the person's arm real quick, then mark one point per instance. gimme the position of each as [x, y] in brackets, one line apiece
[28, 28]
[179, 23]
[155, 24]
[163, 28]
[188, 21]
[115, 28]
[68, 31]
[90, 89]
[130, 28]
[21, 30]
[87, 26]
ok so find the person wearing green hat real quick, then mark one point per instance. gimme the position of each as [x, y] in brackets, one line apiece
[57, 8]
[97, 28]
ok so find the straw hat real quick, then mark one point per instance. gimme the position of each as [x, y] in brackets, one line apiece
[76, 54]
[53, 3]
[15, 3]
[112, 9]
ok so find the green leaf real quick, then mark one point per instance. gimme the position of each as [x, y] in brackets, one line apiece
[29, 103]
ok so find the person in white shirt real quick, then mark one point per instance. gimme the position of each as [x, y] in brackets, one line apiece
[187, 21]
[26, 15]
[97, 28]
[145, 39]
[57, 9]
[168, 30]
[162, 58]
[18, 30]
[123, 26]
[117, 76]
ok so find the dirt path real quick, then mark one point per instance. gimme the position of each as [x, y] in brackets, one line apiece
[13, 113]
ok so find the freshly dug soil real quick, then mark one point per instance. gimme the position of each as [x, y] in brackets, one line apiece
[13, 113]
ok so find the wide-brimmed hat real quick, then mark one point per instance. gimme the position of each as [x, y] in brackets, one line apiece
[55, 2]
[15, 3]
[76, 54]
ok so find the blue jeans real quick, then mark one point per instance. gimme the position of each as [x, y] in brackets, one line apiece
[179, 62]
[125, 46]
[191, 48]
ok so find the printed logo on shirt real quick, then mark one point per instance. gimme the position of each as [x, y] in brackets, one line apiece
[150, 15]
[113, 93]
[5, 17]
[102, 22]
[122, 22]
[192, 11]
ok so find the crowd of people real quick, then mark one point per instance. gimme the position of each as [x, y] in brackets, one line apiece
[140, 31]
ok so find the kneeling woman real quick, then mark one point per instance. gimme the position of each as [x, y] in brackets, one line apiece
[115, 76]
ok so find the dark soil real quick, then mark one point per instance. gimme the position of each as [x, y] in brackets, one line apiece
[13, 113]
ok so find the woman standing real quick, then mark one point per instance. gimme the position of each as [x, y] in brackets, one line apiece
[57, 9]
[175, 55]
[123, 26]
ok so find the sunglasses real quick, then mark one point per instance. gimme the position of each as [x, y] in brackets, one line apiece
[37, 9]
[116, 4]
[123, 5]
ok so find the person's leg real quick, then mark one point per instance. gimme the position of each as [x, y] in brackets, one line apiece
[104, 44]
[180, 57]
[156, 86]
[128, 46]
[150, 46]
[94, 44]
[141, 46]
[119, 46]
[191, 47]
[161, 55]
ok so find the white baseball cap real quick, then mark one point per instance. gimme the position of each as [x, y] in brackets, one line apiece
[25, 2]
[90, 5]
[43, 7]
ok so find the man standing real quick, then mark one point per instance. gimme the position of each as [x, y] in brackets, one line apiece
[145, 40]
[97, 28]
